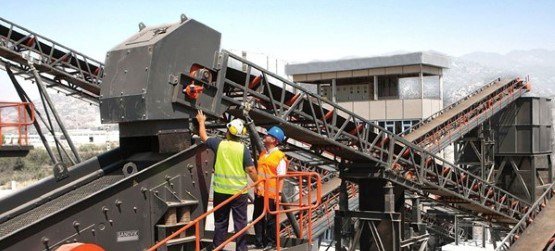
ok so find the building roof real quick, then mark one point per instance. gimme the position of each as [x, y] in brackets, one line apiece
[416, 58]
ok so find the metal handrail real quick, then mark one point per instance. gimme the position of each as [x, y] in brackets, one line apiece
[266, 210]
[527, 219]
[299, 206]
[22, 121]
[197, 221]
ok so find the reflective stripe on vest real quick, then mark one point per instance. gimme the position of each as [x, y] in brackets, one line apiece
[229, 174]
[267, 168]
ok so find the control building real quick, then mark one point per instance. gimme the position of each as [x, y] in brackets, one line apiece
[396, 91]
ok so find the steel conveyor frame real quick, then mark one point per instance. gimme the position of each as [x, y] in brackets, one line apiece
[61, 67]
[328, 127]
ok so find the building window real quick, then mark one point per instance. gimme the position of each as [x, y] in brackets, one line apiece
[390, 126]
[406, 125]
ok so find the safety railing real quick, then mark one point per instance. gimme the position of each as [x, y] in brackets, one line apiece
[322, 217]
[304, 177]
[196, 223]
[304, 203]
[18, 116]
[527, 219]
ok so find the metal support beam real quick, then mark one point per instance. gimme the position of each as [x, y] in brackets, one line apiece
[441, 89]
[375, 87]
[483, 236]
[456, 230]
[333, 91]
[25, 98]
[44, 93]
[389, 198]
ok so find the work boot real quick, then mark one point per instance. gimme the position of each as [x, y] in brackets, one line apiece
[270, 246]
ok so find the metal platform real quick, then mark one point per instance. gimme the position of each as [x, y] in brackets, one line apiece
[15, 150]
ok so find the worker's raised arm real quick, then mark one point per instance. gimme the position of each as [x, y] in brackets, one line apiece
[201, 118]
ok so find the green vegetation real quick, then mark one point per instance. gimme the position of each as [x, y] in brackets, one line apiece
[37, 164]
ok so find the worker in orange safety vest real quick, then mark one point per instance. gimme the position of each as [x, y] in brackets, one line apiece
[271, 163]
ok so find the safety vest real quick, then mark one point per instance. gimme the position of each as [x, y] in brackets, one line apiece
[267, 169]
[229, 175]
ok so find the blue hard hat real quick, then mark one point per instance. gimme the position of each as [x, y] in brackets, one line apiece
[277, 133]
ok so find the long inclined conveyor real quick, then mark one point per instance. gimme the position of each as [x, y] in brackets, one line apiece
[59, 66]
[451, 123]
[326, 126]
[305, 117]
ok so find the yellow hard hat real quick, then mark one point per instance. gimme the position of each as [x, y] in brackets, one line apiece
[237, 128]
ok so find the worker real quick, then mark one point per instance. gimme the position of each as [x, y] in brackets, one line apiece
[232, 166]
[271, 163]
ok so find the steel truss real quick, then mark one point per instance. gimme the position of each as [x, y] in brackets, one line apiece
[476, 152]
[528, 219]
[59, 66]
[329, 128]
[451, 124]
[369, 150]
[49, 120]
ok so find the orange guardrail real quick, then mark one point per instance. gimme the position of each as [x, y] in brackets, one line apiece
[302, 204]
[21, 122]
[309, 177]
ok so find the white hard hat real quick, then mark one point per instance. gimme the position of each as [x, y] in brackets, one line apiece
[237, 127]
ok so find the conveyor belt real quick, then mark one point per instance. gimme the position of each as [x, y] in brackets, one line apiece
[536, 228]
[61, 67]
[57, 204]
[444, 127]
[325, 126]
[539, 232]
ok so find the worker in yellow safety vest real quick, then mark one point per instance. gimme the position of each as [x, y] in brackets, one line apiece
[232, 166]
[271, 163]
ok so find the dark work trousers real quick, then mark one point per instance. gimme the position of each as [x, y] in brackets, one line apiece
[265, 229]
[238, 207]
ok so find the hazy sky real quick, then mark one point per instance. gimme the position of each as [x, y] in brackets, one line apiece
[300, 30]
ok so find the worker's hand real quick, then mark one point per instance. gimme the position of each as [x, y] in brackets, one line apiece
[201, 118]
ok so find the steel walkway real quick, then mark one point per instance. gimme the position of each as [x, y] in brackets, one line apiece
[449, 124]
